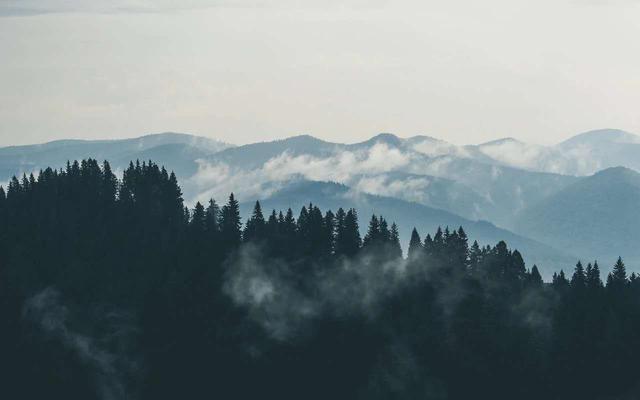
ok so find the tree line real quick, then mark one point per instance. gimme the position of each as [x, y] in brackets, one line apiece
[112, 288]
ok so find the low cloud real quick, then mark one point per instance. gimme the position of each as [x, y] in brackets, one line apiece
[218, 179]
[56, 321]
[284, 308]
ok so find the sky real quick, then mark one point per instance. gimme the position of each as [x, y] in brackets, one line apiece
[253, 70]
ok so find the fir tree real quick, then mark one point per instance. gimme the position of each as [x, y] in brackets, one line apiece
[415, 245]
[349, 242]
[255, 227]
[395, 250]
[593, 280]
[230, 225]
[373, 236]
[535, 279]
[579, 279]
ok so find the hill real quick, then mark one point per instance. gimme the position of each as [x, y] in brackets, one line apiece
[595, 217]
[408, 215]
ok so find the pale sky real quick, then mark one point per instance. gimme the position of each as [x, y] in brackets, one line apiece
[251, 70]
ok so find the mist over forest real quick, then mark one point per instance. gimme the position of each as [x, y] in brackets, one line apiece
[318, 200]
[112, 287]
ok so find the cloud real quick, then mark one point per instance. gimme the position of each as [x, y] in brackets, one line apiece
[411, 188]
[218, 179]
[284, 308]
[56, 321]
[578, 160]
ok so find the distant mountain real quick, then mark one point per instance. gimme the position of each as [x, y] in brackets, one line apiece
[596, 217]
[583, 154]
[421, 169]
[254, 155]
[178, 149]
[538, 191]
[407, 215]
[601, 137]
[445, 194]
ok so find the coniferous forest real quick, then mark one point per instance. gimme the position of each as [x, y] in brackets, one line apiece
[111, 289]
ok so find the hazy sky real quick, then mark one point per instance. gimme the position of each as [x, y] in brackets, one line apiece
[249, 70]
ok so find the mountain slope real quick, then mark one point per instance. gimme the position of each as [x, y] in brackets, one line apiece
[597, 216]
[17, 160]
[391, 166]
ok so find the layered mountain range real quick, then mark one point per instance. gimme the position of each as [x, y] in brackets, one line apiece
[576, 199]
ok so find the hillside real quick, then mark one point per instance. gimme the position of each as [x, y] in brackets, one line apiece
[595, 217]
[408, 215]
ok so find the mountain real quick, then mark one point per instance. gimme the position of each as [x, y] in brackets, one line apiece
[254, 155]
[596, 217]
[445, 194]
[420, 169]
[601, 137]
[178, 149]
[407, 215]
[583, 154]
[537, 191]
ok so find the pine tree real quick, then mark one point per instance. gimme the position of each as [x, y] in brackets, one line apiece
[438, 242]
[289, 232]
[593, 280]
[255, 227]
[535, 279]
[349, 243]
[109, 185]
[429, 246]
[213, 218]
[462, 248]
[329, 229]
[560, 282]
[395, 250]
[198, 223]
[230, 224]
[579, 279]
[340, 231]
[475, 257]
[617, 278]
[515, 273]
[619, 272]
[415, 245]
[385, 233]
[373, 233]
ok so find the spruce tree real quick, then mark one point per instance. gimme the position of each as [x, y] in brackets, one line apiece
[619, 273]
[230, 224]
[429, 246]
[535, 279]
[373, 232]
[385, 232]
[198, 223]
[350, 242]
[213, 216]
[328, 234]
[395, 250]
[415, 245]
[593, 280]
[475, 257]
[579, 279]
[255, 227]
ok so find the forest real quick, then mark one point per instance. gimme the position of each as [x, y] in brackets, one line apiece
[110, 288]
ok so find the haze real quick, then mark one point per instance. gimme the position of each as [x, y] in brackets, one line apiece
[244, 71]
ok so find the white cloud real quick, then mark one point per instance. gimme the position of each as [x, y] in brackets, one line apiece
[219, 179]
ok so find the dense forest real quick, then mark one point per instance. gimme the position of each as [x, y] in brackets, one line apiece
[111, 289]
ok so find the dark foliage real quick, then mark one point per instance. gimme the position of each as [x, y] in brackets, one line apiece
[111, 289]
